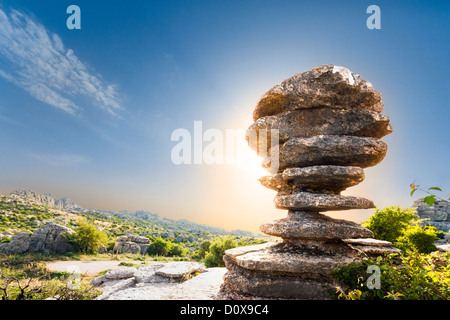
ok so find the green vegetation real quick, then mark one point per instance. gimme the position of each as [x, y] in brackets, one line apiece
[87, 238]
[166, 248]
[403, 277]
[418, 273]
[401, 227]
[27, 278]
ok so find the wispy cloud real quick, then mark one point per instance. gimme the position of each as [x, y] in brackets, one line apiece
[63, 160]
[36, 60]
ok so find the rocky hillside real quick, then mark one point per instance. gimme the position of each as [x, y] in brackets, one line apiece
[25, 210]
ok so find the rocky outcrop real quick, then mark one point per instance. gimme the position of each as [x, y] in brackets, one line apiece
[48, 238]
[46, 199]
[130, 243]
[329, 125]
[437, 215]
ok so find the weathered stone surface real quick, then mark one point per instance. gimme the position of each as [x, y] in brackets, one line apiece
[313, 225]
[327, 85]
[179, 269]
[308, 201]
[51, 237]
[122, 273]
[372, 247]
[443, 248]
[98, 281]
[147, 274]
[315, 178]
[327, 150]
[20, 243]
[130, 243]
[273, 286]
[437, 215]
[319, 121]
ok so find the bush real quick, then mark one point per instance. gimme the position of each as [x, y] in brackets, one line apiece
[200, 253]
[390, 223]
[413, 277]
[87, 238]
[177, 250]
[159, 247]
[418, 239]
[166, 248]
[214, 256]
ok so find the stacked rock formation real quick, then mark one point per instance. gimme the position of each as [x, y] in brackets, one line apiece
[329, 126]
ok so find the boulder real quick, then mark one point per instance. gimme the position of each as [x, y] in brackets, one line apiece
[20, 243]
[179, 269]
[314, 225]
[121, 273]
[327, 150]
[51, 237]
[306, 123]
[324, 178]
[327, 85]
[320, 202]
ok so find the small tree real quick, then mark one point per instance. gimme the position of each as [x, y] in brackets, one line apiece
[159, 247]
[87, 238]
[214, 256]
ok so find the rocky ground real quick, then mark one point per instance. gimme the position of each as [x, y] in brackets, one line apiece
[156, 281]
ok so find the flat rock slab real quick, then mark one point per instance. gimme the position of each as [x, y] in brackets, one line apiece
[324, 178]
[306, 201]
[179, 269]
[204, 286]
[326, 150]
[313, 225]
[369, 242]
[318, 121]
[327, 85]
[444, 248]
[122, 273]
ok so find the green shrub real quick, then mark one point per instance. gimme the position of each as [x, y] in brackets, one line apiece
[390, 223]
[407, 277]
[177, 250]
[418, 238]
[159, 247]
[214, 256]
[200, 253]
[87, 238]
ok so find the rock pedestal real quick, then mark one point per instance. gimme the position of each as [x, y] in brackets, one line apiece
[329, 126]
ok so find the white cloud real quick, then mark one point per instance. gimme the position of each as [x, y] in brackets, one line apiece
[39, 63]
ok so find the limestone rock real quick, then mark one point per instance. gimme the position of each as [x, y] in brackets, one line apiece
[328, 150]
[320, 202]
[179, 269]
[372, 247]
[327, 85]
[306, 123]
[313, 225]
[51, 237]
[147, 274]
[121, 273]
[317, 178]
[130, 243]
[20, 243]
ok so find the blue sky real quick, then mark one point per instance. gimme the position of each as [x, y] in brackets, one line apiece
[88, 113]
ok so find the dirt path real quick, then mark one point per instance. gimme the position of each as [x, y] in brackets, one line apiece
[83, 267]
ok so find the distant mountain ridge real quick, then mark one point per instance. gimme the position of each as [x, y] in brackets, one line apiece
[65, 204]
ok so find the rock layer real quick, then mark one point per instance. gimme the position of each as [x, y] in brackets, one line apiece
[329, 126]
